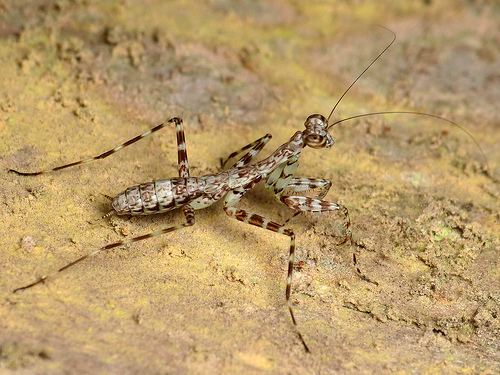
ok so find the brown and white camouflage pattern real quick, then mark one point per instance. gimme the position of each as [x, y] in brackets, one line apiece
[194, 193]
[277, 170]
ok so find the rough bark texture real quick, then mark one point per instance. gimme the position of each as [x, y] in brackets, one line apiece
[77, 77]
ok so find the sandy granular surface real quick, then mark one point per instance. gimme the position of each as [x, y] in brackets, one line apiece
[78, 77]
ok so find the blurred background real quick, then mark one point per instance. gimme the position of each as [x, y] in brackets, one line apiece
[78, 77]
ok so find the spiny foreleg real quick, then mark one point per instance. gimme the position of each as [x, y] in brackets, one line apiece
[303, 186]
[308, 204]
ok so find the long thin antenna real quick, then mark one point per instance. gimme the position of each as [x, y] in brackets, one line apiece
[462, 128]
[363, 72]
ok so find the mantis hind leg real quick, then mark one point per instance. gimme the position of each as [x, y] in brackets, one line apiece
[102, 155]
[188, 213]
[182, 157]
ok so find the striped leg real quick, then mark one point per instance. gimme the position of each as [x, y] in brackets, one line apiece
[188, 213]
[316, 187]
[182, 157]
[319, 187]
[103, 155]
[254, 219]
[307, 204]
[255, 147]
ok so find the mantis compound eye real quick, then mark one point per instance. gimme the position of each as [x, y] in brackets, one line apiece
[316, 120]
[315, 141]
